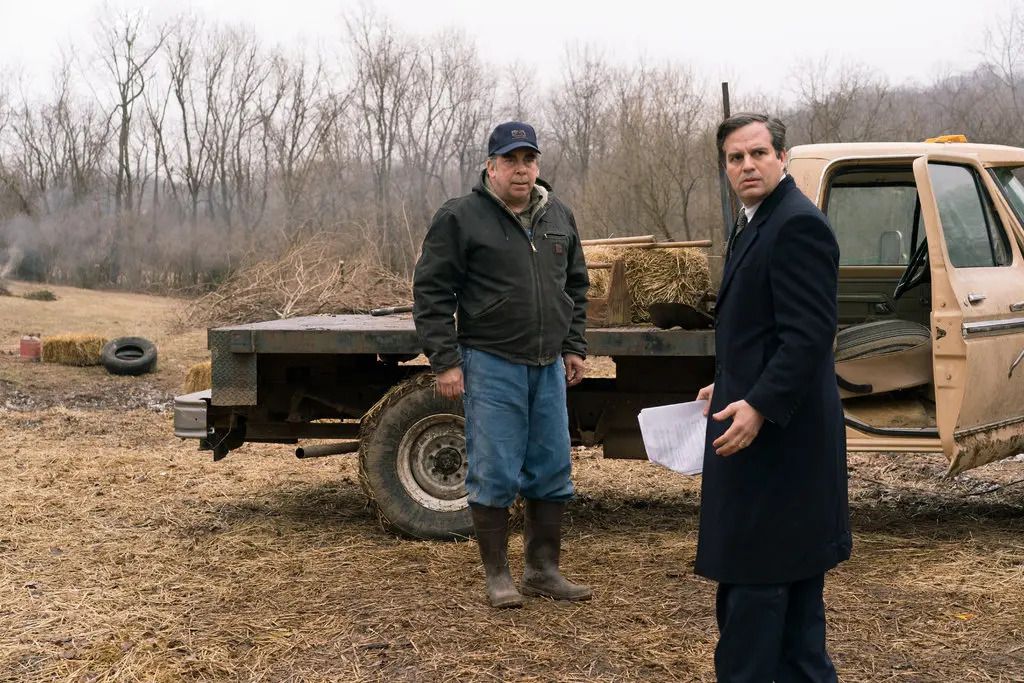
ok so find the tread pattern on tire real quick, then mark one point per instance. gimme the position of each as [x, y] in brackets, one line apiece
[381, 431]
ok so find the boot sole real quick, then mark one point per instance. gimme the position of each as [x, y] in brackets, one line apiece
[539, 593]
[513, 603]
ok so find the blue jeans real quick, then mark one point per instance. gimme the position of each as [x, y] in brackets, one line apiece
[517, 430]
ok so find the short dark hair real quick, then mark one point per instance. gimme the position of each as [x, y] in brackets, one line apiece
[776, 128]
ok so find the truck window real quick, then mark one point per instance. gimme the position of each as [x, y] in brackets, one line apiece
[873, 213]
[974, 235]
[1010, 180]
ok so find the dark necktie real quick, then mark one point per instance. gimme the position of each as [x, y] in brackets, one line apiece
[741, 222]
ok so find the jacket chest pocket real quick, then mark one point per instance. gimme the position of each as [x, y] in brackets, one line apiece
[556, 246]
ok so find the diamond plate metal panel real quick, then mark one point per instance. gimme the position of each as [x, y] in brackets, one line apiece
[233, 374]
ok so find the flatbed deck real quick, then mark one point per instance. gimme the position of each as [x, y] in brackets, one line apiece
[396, 334]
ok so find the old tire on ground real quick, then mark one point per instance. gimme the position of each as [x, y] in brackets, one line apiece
[412, 462]
[128, 356]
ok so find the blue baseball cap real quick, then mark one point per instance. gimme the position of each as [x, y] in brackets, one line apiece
[511, 135]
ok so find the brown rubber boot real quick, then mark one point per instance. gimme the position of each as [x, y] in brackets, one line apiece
[491, 526]
[543, 545]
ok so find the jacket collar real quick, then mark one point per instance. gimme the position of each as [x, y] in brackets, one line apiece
[539, 200]
[764, 211]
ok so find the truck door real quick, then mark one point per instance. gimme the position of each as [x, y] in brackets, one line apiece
[977, 318]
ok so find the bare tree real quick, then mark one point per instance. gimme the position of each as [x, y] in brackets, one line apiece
[651, 176]
[579, 106]
[11, 175]
[191, 95]
[126, 54]
[679, 119]
[521, 101]
[9, 185]
[843, 104]
[214, 144]
[475, 115]
[305, 116]
[85, 134]
[251, 150]
[385, 64]
[34, 131]
[241, 114]
[1003, 61]
[442, 120]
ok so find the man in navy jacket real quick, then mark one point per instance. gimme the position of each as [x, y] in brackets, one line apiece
[506, 260]
[774, 512]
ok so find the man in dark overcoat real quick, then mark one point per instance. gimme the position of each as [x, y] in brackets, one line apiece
[774, 513]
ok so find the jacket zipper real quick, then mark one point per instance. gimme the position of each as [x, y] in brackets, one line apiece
[536, 270]
[536, 277]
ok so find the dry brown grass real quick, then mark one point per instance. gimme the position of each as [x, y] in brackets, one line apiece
[73, 349]
[132, 557]
[310, 278]
[107, 314]
[128, 556]
[654, 275]
[199, 377]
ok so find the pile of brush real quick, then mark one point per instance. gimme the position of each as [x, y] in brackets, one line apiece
[655, 271]
[310, 278]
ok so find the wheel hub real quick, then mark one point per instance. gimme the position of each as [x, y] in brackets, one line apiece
[432, 462]
[447, 462]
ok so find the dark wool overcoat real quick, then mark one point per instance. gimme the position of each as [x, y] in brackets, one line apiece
[777, 511]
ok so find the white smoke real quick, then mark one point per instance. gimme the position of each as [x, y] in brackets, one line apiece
[11, 260]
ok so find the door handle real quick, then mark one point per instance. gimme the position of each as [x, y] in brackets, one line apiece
[975, 298]
[1017, 307]
[1014, 364]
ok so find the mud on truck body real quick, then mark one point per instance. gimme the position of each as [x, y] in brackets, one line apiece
[929, 350]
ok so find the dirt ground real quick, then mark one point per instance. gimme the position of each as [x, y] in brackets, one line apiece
[125, 554]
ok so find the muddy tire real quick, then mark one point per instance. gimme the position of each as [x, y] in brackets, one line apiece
[412, 462]
[128, 356]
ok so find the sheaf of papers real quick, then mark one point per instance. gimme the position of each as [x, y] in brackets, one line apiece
[674, 435]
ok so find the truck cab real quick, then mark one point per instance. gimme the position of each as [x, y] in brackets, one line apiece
[930, 239]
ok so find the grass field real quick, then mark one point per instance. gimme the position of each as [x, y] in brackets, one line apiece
[126, 555]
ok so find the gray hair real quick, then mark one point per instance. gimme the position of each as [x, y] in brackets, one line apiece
[776, 128]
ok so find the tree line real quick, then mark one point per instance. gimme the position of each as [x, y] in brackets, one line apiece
[164, 155]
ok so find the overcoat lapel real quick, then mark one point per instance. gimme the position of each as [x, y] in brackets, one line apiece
[763, 214]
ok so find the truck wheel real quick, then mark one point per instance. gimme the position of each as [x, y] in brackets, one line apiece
[412, 461]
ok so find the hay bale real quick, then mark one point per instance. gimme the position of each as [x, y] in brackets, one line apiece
[199, 377]
[654, 275]
[73, 349]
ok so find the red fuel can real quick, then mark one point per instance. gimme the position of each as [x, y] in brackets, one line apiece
[31, 348]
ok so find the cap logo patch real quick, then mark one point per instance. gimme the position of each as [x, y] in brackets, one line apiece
[519, 134]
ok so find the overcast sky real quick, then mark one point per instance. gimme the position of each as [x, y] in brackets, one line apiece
[755, 45]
